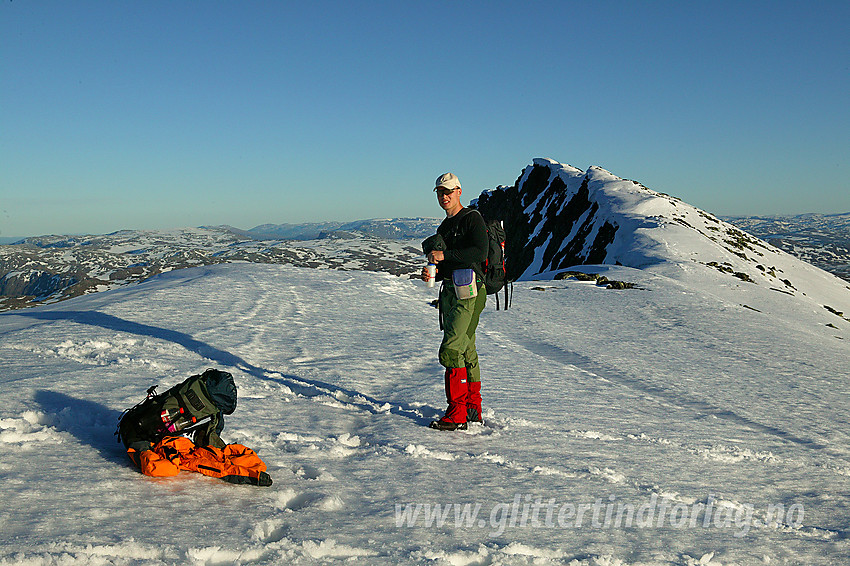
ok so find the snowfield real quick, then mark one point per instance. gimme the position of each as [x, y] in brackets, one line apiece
[695, 419]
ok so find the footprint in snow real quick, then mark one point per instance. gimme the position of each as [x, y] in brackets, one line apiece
[290, 500]
[270, 531]
[307, 472]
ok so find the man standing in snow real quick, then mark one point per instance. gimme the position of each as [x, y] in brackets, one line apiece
[459, 250]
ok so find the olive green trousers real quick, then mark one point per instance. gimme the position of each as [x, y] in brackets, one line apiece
[460, 319]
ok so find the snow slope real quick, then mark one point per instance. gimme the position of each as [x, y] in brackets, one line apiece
[722, 428]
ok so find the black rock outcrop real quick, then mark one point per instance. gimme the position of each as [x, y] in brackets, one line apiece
[551, 223]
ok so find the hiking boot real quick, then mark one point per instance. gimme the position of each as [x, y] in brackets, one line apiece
[447, 425]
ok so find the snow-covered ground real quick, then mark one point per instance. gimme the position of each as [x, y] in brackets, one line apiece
[667, 424]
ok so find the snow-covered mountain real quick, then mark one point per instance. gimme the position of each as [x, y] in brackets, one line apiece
[557, 216]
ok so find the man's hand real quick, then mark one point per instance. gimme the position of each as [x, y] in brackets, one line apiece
[436, 256]
[424, 275]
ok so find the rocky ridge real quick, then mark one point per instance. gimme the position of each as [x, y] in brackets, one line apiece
[557, 217]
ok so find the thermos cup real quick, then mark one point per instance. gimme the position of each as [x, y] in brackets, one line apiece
[432, 274]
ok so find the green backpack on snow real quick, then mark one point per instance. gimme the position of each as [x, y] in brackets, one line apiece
[194, 408]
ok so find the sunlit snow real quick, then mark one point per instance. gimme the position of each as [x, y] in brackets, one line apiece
[672, 397]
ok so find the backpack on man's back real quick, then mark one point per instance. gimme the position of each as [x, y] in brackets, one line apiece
[495, 273]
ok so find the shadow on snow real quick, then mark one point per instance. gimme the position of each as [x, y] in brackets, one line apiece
[304, 387]
[90, 422]
[682, 400]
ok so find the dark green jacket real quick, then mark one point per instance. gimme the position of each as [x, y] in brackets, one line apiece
[464, 236]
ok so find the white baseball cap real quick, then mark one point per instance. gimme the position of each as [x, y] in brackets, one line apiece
[447, 181]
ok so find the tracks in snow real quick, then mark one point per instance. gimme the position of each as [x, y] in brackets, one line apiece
[699, 407]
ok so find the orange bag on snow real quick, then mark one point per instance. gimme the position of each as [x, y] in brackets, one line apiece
[234, 463]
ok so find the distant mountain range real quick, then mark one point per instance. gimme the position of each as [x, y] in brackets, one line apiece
[53, 268]
[820, 239]
[387, 228]
[556, 217]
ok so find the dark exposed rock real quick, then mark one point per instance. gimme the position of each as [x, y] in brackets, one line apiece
[620, 285]
[541, 216]
[834, 311]
[600, 280]
[576, 275]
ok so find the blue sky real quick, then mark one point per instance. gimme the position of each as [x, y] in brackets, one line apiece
[146, 115]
